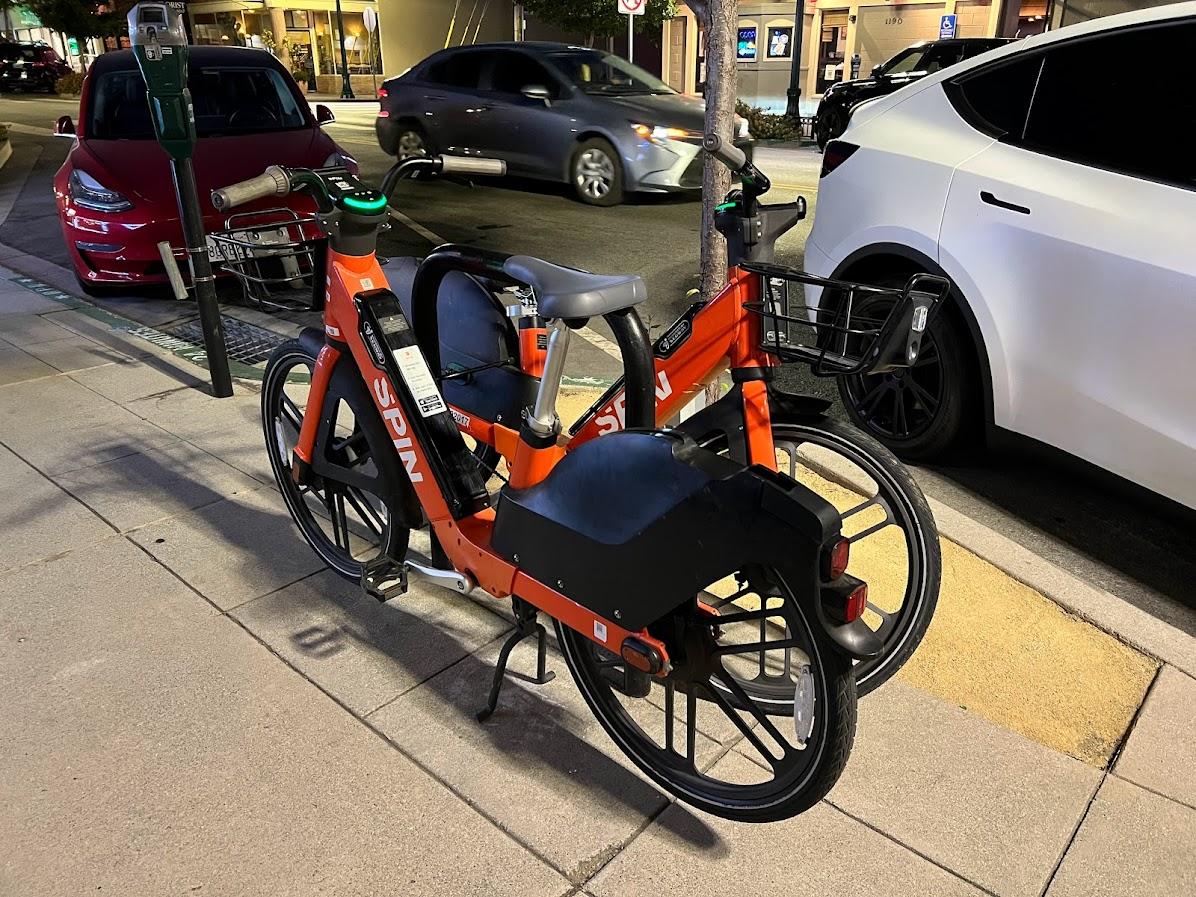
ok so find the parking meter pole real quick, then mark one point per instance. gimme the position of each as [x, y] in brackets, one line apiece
[159, 38]
[631, 38]
[187, 192]
[793, 95]
[346, 84]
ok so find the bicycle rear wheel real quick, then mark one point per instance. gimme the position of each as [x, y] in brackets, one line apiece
[655, 721]
[352, 512]
[895, 545]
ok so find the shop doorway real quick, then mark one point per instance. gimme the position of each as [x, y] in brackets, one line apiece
[832, 50]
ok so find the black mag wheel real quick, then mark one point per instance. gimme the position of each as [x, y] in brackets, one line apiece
[349, 515]
[921, 411]
[659, 723]
[894, 542]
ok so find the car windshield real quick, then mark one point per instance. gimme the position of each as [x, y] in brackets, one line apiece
[227, 101]
[908, 60]
[603, 73]
[17, 51]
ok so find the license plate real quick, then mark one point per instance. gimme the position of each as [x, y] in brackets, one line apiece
[246, 244]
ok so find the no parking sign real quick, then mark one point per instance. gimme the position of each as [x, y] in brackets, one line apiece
[632, 7]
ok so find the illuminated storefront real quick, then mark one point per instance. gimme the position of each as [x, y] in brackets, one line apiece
[303, 33]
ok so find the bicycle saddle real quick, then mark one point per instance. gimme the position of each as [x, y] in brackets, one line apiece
[568, 293]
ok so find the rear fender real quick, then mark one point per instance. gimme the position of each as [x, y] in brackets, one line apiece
[633, 525]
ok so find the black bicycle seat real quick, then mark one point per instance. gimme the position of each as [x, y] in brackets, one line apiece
[568, 293]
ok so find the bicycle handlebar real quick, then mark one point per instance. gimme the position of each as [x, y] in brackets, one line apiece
[274, 181]
[727, 153]
[279, 181]
[472, 165]
[755, 182]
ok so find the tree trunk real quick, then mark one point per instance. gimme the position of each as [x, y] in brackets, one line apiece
[719, 19]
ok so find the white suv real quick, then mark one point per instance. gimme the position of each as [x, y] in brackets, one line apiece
[1054, 182]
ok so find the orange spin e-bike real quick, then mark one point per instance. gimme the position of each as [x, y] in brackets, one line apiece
[489, 348]
[672, 573]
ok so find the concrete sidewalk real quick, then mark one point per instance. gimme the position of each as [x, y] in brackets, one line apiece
[192, 705]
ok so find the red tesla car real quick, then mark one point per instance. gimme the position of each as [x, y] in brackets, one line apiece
[115, 196]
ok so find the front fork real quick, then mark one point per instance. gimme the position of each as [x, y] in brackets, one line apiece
[321, 376]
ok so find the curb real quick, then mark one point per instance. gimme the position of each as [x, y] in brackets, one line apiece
[1094, 605]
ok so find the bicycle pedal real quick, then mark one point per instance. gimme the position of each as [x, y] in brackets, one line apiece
[384, 578]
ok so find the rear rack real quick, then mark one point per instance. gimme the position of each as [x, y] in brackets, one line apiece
[838, 327]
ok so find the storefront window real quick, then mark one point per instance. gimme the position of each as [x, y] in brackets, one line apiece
[780, 43]
[745, 50]
[361, 48]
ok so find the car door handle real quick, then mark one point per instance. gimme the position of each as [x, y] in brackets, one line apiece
[435, 98]
[987, 197]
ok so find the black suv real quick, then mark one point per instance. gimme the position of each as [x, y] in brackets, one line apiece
[25, 66]
[911, 64]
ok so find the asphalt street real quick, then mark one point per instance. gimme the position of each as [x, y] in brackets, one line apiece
[1142, 550]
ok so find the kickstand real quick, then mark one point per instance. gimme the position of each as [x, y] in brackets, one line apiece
[525, 627]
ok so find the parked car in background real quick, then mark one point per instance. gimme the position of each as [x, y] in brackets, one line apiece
[30, 66]
[910, 65]
[115, 195]
[1069, 241]
[550, 111]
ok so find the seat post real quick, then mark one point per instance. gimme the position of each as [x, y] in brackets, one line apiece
[543, 420]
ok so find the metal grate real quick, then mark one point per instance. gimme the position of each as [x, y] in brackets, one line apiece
[247, 343]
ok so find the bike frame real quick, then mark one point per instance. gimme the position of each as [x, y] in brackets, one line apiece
[464, 539]
[715, 336]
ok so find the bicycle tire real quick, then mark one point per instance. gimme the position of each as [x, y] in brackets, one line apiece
[835, 720]
[922, 542]
[347, 388]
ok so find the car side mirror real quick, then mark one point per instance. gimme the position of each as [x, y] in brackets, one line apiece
[64, 127]
[537, 92]
[876, 71]
[324, 115]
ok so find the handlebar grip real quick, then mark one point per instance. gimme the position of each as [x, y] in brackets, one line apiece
[727, 153]
[274, 181]
[472, 165]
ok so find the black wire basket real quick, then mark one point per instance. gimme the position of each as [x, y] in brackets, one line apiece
[272, 254]
[838, 327]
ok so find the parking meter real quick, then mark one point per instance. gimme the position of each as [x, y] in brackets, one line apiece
[159, 39]
[855, 66]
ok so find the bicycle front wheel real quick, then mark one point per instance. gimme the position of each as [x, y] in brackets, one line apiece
[350, 512]
[894, 540]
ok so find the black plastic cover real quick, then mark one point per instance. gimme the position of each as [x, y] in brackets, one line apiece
[634, 524]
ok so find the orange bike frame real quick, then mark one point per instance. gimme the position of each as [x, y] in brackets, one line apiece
[466, 541]
[725, 336]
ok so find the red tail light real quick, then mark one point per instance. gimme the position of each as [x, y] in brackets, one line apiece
[835, 558]
[384, 113]
[857, 601]
[382, 93]
[836, 153]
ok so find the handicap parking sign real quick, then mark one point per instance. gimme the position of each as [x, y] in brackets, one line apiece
[946, 27]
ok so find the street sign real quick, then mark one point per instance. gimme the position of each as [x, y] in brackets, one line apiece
[947, 27]
[632, 7]
[370, 18]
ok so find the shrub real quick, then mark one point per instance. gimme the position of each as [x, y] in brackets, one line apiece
[766, 126]
[70, 84]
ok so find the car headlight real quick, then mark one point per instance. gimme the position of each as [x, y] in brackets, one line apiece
[659, 134]
[340, 159]
[89, 193]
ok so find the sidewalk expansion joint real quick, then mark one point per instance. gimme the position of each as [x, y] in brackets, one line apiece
[1105, 773]
[888, 837]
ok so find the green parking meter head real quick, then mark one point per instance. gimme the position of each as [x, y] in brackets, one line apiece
[159, 40]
